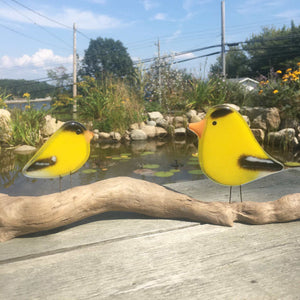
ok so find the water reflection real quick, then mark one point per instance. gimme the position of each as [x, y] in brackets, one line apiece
[157, 161]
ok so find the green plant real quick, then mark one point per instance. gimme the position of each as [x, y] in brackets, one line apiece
[26, 126]
[110, 104]
[281, 90]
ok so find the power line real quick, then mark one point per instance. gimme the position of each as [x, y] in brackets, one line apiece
[43, 16]
[35, 23]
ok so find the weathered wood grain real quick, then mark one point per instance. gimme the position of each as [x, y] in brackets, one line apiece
[23, 214]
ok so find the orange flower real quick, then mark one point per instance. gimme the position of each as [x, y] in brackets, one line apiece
[275, 91]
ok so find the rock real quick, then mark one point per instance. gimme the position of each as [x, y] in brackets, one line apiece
[115, 136]
[153, 116]
[51, 125]
[104, 135]
[246, 118]
[272, 118]
[151, 123]
[237, 108]
[195, 119]
[150, 131]
[161, 132]
[5, 126]
[283, 137]
[161, 122]
[264, 118]
[180, 131]
[96, 131]
[259, 135]
[138, 135]
[191, 113]
[25, 149]
[179, 121]
[134, 126]
[96, 137]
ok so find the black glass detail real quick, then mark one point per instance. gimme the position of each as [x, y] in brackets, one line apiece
[259, 164]
[41, 164]
[74, 126]
[221, 112]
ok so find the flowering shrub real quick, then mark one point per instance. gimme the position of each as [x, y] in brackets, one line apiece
[282, 90]
[165, 87]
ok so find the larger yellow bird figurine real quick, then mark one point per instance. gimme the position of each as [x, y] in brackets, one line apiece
[228, 152]
[64, 153]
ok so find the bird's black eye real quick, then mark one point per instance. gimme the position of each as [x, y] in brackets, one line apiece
[78, 131]
[214, 123]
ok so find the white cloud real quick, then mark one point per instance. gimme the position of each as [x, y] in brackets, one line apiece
[160, 17]
[42, 58]
[290, 14]
[85, 19]
[185, 56]
[29, 67]
[149, 4]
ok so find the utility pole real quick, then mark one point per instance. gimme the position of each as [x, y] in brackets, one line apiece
[159, 74]
[223, 39]
[74, 70]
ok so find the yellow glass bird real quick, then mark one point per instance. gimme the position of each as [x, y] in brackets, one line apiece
[228, 152]
[64, 153]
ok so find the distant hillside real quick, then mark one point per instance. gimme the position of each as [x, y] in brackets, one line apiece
[17, 87]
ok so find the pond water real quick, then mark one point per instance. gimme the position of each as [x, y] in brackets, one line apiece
[161, 162]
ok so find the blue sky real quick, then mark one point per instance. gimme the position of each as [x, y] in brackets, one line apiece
[31, 43]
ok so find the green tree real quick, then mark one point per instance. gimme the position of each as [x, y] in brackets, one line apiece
[237, 64]
[274, 49]
[106, 57]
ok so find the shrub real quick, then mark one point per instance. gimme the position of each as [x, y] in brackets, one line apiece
[111, 104]
[282, 90]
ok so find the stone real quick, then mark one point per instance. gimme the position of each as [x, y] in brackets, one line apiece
[234, 106]
[134, 126]
[259, 135]
[138, 135]
[25, 149]
[5, 126]
[153, 116]
[195, 119]
[246, 118]
[115, 136]
[191, 113]
[161, 122]
[96, 131]
[151, 123]
[179, 121]
[264, 118]
[180, 131]
[150, 131]
[104, 135]
[283, 137]
[161, 132]
[51, 125]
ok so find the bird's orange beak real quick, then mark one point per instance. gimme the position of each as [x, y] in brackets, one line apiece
[198, 127]
[88, 136]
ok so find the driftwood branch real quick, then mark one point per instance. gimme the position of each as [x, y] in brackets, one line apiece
[25, 214]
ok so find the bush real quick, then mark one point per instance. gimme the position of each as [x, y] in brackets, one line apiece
[281, 90]
[111, 104]
[26, 126]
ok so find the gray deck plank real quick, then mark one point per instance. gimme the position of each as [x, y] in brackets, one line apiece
[128, 256]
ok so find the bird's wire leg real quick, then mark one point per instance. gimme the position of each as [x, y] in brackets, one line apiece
[230, 189]
[59, 178]
[70, 180]
[241, 195]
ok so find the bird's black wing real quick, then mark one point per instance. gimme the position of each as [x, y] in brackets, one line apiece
[41, 164]
[259, 164]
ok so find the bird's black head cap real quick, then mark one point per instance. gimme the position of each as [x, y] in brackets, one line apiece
[221, 111]
[74, 127]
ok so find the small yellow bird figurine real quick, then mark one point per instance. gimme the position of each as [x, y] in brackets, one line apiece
[64, 153]
[228, 152]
